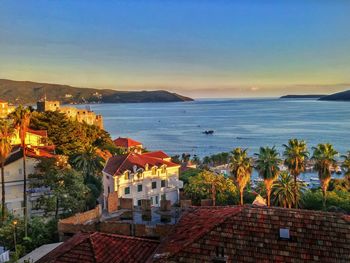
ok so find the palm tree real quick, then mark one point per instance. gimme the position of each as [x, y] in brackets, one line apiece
[88, 162]
[346, 165]
[6, 133]
[284, 190]
[267, 165]
[295, 155]
[21, 118]
[324, 157]
[241, 169]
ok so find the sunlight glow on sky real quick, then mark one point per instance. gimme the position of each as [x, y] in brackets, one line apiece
[199, 48]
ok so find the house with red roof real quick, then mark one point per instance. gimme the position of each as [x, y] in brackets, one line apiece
[13, 171]
[5, 108]
[223, 234]
[34, 138]
[102, 248]
[256, 234]
[149, 176]
[128, 145]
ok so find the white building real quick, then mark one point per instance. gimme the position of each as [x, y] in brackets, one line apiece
[14, 179]
[142, 176]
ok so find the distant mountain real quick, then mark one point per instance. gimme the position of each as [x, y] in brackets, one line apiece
[309, 96]
[340, 96]
[28, 92]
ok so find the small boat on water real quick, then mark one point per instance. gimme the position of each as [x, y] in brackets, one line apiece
[209, 132]
[338, 170]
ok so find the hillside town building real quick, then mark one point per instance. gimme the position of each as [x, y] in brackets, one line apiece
[5, 109]
[128, 145]
[220, 234]
[35, 138]
[14, 179]
[81, 115]
[137, 176]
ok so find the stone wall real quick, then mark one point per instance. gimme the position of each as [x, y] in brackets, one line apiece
[81, 218]
[206, 202]
[126, 203]
[112, 202]
[116, 228]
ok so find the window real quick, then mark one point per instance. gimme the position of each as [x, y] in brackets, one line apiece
[157, 200]
[109, 189]
[154, 185]
[127, 176]
[163, 183]
[154, 170]
[139, 188]
[127, 190]
[138, 202]
[219, 255]
[20, 171]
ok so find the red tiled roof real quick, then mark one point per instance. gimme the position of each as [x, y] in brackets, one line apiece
[126, 142]
[38, 132]
[39, 152]
[193, 225]
[251, 234]
[117, 165]
[33, 152]
[2, 101]
[101, 248]
[157, 154]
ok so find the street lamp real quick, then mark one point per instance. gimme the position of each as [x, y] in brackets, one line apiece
[14, 235]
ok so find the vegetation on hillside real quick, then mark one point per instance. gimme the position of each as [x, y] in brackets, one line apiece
[27, 92]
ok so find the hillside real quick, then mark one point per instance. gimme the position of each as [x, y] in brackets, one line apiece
[307, 96]
[340, 96]
[28, 92]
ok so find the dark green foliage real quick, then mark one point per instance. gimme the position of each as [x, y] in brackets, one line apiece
[70, 136]
[176, 159]
[66, 189]
[336, 200]
[217, 159]
[186, 175]
[40, 232]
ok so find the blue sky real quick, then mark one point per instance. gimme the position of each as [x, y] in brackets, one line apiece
[199, 48]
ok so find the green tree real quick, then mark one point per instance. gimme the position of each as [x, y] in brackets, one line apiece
[346, 165]
[295, 154]
[324, 158]
[196, 160]
[241, 169]
[70, 136]
[21, 118]
[91, 166]
[186, 175]
[285, 192]
[337, 201]
[6, 133]
[88, 162]
[267, 164]
[65, 188]
[207, 185]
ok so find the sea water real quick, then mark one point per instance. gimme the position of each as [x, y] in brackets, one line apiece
[178, 127]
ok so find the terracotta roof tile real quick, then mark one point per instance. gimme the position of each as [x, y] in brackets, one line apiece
[102, 248]
[251, 234]
[126, 142]
[157, 154]
[42, 133]
[118, 164]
